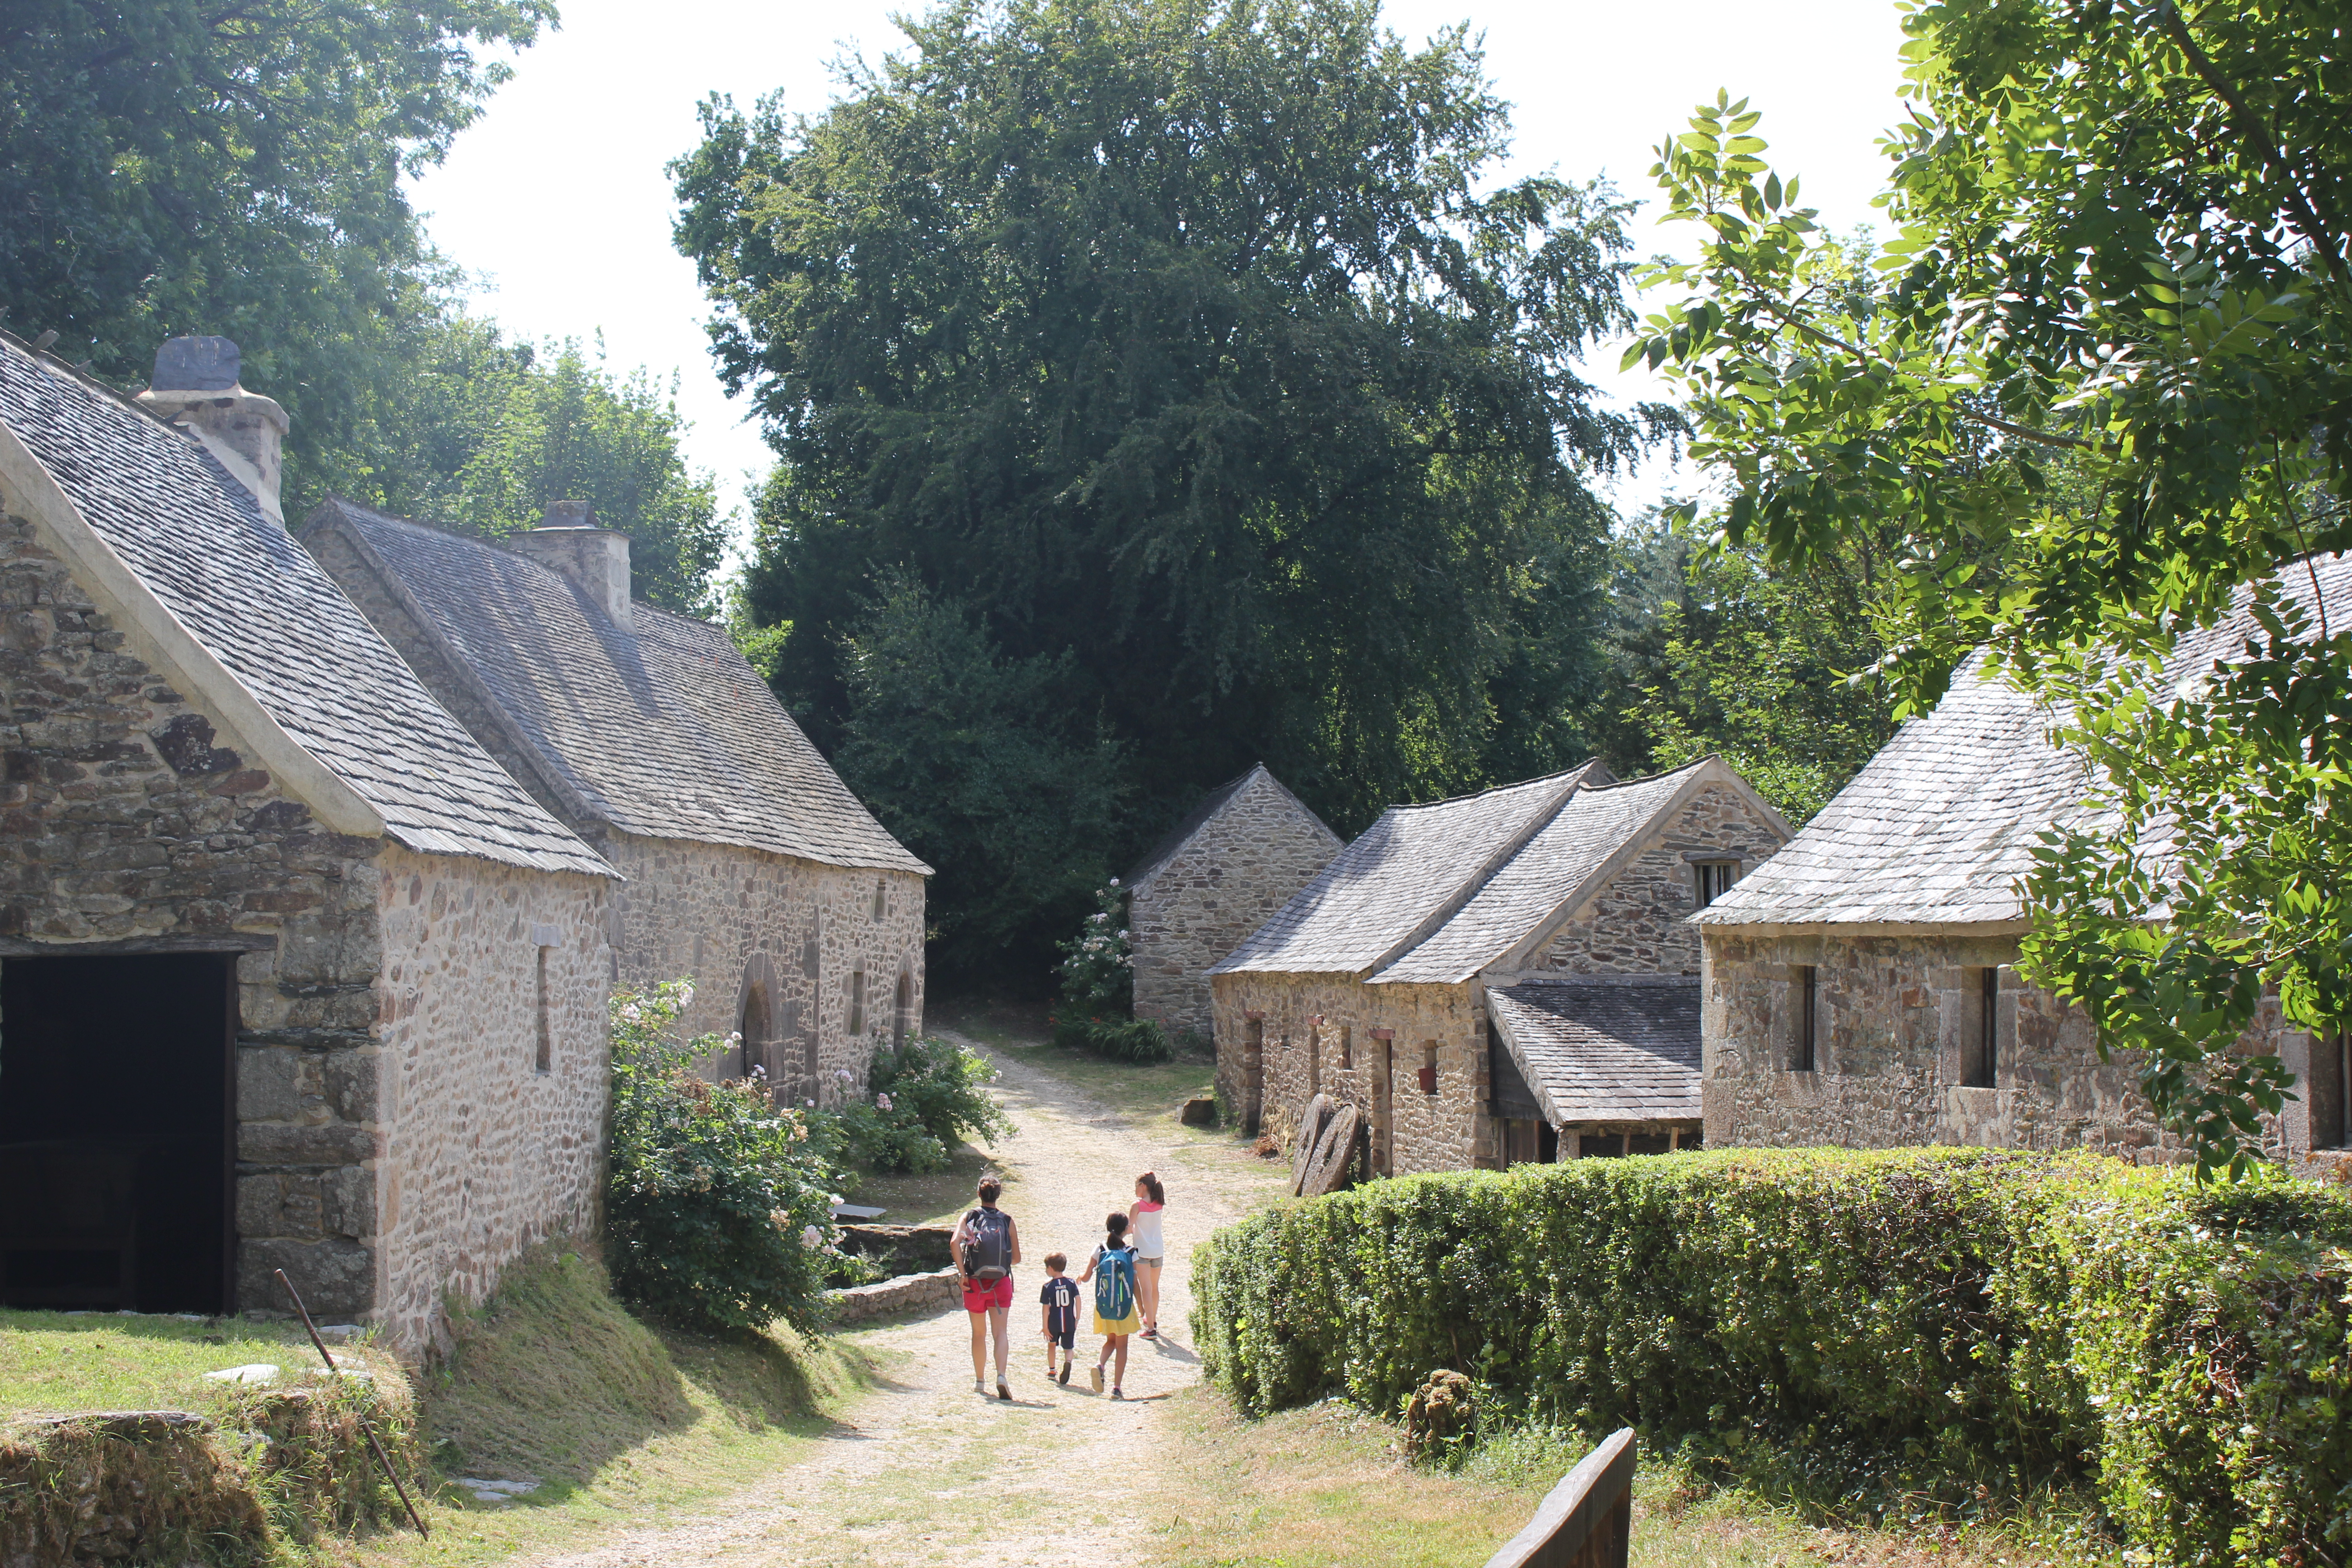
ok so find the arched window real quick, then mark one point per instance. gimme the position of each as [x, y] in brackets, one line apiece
[753, 1025]
[903, 1010]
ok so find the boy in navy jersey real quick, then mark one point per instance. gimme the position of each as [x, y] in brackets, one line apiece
[1060, 1298]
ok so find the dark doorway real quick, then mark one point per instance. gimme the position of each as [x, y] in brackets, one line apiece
[116, 1116]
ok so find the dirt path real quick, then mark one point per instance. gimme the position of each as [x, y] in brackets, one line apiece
[924, 1470]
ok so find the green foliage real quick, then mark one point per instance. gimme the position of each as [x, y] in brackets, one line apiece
[1114, 1036]
[927, 1098]
[719, 1207]
[1097, 963]
[2105, 383]
[1874, 1325]
[479, 434]
[1767, 667]
[169, 166]
[990, 768]
[1187, 348]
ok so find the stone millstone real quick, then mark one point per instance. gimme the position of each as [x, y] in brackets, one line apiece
[1311, 1122]
[1327, 1171]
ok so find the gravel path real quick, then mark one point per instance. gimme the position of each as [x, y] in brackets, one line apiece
[923, 1470]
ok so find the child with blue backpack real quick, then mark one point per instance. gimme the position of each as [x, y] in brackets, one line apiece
[1117, 1316]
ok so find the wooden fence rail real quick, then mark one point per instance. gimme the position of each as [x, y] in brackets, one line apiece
[1587, 1521]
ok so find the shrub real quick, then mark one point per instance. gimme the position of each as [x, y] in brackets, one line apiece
[927, 1096]
[1096, 1014]
[719, 1208]
[1113, 1037]
[1870, 1325]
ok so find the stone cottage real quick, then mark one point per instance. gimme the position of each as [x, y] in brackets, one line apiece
[1503, 977]
[1221, 872]
[750, 865]
[1862, 989]
[295, 977]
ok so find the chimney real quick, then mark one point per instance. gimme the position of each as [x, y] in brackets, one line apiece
[591, 559]
[196, 387]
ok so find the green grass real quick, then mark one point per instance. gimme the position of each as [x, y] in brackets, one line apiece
[935, 1197]
[1147, 1093]
[57, 1361]
[623, 1424]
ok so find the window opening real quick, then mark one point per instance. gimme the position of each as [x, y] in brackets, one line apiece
[2329, 1091]
[753, 1026]
[545, 1057]
[881, 900]
[1804, 1005]
[1980, 1062]
[1427, 1075]
[902, 1010]
[1714, 879]
[856, 1002]
[1314, 1059]
[1347, 1047]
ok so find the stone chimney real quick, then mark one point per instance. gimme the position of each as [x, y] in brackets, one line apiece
[593, 559]
[196, 387]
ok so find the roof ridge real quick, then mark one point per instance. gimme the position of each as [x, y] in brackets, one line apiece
[1565, 773]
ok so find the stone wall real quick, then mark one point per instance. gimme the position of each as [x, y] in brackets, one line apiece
[482, 1151]
[1241, 865]
[799, 933]
[129, 818]
[1892, 1013]
[1637, 924]
[1321, 1035]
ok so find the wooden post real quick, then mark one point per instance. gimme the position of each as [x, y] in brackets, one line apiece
[1587, 1521]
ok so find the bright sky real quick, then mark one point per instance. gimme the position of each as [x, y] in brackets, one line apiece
[556, 198]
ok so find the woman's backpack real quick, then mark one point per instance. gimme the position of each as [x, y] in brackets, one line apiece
[1115, 1285]
[988, 1249]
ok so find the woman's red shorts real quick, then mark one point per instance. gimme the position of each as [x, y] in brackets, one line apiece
[980, 1298]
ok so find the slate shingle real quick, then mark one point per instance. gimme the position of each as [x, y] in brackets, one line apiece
[660, 726]
[254, 598]
[1941, 823]
[1605, 1052]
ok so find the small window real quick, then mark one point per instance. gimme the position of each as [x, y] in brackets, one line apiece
[2330, 1091]
[1347, 1047]
[856, 1002]
[1714, 879]
[1981, 1028]
[881, 900]
[1427, 1077]
[546, 1055]
[1805, 1003]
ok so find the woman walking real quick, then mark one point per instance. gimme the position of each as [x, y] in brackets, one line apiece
[1115, 1315]
[1150, 1250]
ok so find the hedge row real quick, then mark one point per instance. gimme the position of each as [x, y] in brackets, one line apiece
[1923, 1318]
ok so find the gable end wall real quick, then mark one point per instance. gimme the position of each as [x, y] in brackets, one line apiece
[1637, 924]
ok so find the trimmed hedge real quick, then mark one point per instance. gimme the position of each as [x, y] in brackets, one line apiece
[1901, 1323]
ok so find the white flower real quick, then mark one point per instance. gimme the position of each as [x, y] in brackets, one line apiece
[1122, 936]
[810, 1103]
[845, 1075]
[812, 1238]
[758, 1070]
[1114, 881]
[1097, 918]
[881, 1103]
[632, 1013]
[686, 998]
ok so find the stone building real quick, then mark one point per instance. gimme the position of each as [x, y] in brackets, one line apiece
[1239, 856]
[1502, 977]
[1862, 989]
[295, 977]
[750, 866]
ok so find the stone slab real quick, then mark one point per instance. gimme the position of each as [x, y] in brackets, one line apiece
[1327, 1173]
[1311, 1122]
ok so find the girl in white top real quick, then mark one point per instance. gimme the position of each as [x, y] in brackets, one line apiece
[1150, 1251]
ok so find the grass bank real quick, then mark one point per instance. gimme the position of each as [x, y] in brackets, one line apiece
[1142, 1093]
[617, 1422]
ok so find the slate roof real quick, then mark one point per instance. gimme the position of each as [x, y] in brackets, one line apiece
[1595, 823]
[1410, 868]
[255, 599]
[660, 728]
[1605, 1052]
[1941, 824]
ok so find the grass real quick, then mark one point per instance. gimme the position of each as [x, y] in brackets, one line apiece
[57, 1361]
[622, 1423]
[1324, 1487]
[936, 1197]
[1149, 1092]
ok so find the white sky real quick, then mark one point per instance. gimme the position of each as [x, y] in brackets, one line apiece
[556, 198]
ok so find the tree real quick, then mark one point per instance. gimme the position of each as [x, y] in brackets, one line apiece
[480, 434]
[2110, 358]
[174, 166]
[991, 769]
[1174, 338]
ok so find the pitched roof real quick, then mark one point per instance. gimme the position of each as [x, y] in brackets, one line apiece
[1406, 873]
[1216, 801]
[1577, 846]
[1593, 1052]
[1941, 823]
[204, 562]
[658, 728]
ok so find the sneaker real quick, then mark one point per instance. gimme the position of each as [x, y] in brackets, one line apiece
[1065, 1379]
[1151, 1333]
[979, 1385]
[1003, 1392]
[1096, 1374]
[1119, 1394]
